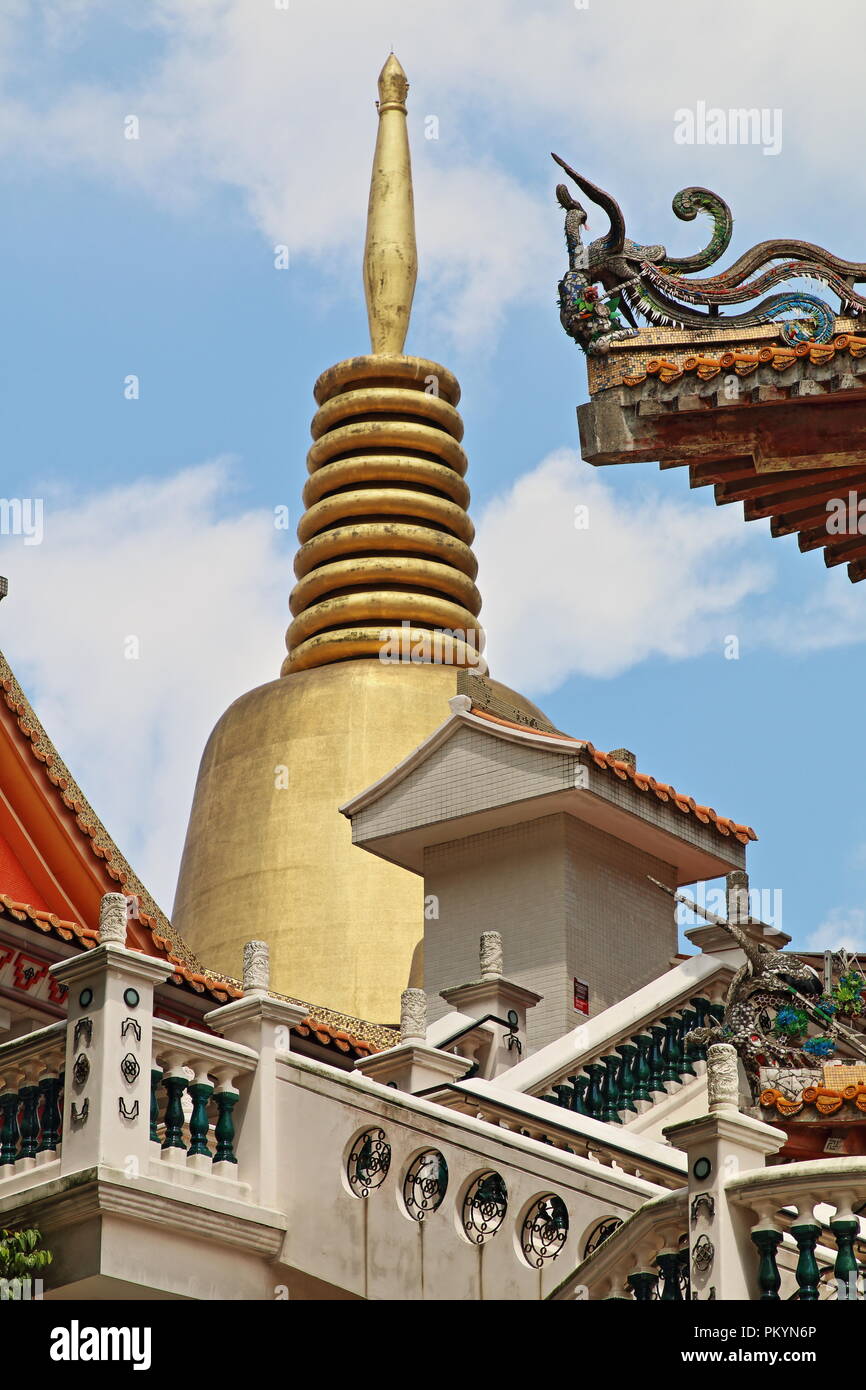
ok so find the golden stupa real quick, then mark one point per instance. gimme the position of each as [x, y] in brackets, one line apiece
[384, 547]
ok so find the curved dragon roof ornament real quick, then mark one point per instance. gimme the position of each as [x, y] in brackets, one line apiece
[636, 279]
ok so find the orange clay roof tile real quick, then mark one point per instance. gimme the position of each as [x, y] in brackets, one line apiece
[743, 362]
[221, 990]
[687, 804]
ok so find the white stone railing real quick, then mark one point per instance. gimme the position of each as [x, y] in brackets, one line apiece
[645, 1259]
[620, 1064]
[809, 1211]
[30, 1108]
[418, 1201]
[194, 1092]
[563, 1129]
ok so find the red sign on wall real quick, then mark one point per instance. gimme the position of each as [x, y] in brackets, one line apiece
[581, 996]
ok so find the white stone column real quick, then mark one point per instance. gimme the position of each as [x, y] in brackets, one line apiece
[264, 1023]
[721, 1146]
[109, 1046]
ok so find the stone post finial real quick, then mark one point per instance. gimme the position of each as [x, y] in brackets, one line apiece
[491, 955]
[257, 967]
[413, 1015]
[737, 894]
[723, 1078]
[113, 918]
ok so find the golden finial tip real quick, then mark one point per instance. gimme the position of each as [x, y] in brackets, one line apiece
[393, 83]
[390, 257]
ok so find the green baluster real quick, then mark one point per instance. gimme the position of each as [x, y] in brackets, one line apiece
[49, 1086]
[703, 1019]
[643, 1285]
[672, 1053]
[175, 1086]
[155, 1079]
[201, 1092]
[563, 1095]
[9, 1108]
[657, 1061]
[610, 1088]
[29, 1122]
[225, 1126]
[669, 1264]
[579, 1085]
[627, 1052]
[642, 1069]
[594, 1098]
[845, 1268]
[717, 1013]
[688, 1020]
[808, 1273]
[769, 1278]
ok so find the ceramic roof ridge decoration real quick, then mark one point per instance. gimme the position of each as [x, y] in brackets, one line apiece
[744, 362]
[637, 279]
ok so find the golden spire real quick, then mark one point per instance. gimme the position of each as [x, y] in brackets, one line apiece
[390, 253]
[386, 539]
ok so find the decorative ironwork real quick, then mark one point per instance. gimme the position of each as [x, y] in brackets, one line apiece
[81, 1069]
[131, 998]
[130, 1025]
[79, 1117]
[425, 1184]
[130, 1069]
[132, 1113]
[599, 1233]
[545, 1230]
[369, 1161]
[703, 1254]
[705, 1200]
[484, 1207]
[83, 1027]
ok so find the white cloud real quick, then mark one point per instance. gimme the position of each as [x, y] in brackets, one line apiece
[842, 929]
[204, 594]
[654, 578]
[278, 104]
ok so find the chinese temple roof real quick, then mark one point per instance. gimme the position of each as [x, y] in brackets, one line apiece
[761, 394]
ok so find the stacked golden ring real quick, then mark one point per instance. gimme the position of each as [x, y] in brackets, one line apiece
[386, 539]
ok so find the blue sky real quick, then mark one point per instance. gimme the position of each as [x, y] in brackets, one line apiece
[155, 258]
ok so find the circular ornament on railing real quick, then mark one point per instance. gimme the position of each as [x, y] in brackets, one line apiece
[368, 1163]
[545, 1230]
[425, 1184]
[484, 1207]
[605, 1228]
[703, 1254]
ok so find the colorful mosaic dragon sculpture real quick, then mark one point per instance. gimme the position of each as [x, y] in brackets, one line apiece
[645, 279]
[766, 983]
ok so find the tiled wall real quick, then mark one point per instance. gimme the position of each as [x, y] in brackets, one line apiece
[569, 901]
[471, 772]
